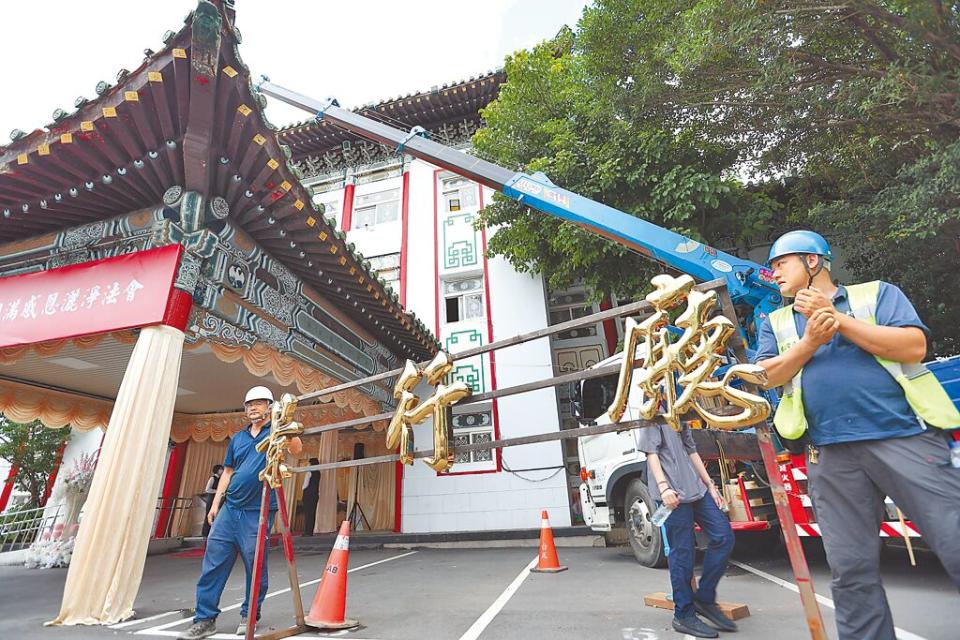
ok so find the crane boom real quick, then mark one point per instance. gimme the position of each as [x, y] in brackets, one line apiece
[748, 282]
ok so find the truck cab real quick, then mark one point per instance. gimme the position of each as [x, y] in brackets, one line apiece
[613, 470]
[613, 492]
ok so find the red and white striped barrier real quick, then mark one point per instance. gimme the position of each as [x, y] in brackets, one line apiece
[887, 530]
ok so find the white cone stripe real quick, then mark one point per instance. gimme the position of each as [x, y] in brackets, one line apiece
[342, 543]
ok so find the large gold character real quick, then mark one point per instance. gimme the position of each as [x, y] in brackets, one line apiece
[411, 411]
[675, 377]
[283, 430]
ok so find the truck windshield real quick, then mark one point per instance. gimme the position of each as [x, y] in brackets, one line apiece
[597, 394]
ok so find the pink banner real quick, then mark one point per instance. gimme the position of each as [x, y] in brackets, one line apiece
[131, 290]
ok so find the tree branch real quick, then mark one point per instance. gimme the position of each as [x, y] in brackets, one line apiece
[902, 23]
[817, 61]
[869, 33]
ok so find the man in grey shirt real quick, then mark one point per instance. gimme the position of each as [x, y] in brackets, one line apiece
[676, 474]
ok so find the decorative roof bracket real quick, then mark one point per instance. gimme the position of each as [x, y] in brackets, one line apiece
[204, 62]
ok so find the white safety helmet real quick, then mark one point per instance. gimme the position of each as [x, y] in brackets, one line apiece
[259, 393]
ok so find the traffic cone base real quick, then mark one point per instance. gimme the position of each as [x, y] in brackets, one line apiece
[330, 624]
[547, 562]
[329, 605]
[548, 570]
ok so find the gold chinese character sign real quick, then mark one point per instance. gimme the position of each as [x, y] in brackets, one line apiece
[282, 430]
[411, 411]
[675, 376]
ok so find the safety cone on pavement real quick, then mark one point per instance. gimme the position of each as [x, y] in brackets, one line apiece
[548, 562]
[330, 603]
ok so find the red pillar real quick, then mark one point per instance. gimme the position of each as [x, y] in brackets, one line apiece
[171, 485]
[405, 220]
[398, 499]
[8, 487]
[52, 480]
[346, 220]
[609, 328]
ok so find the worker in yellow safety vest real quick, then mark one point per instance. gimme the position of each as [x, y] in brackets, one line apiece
[848, 359]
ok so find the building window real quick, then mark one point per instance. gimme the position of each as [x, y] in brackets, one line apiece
[472, 425]
[386, 266]
[463, 299]
[571, 306]
[372, 209]
[459, 193]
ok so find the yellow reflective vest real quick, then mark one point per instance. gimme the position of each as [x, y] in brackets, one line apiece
[924, 393]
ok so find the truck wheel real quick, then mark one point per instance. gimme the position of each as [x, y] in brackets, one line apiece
[645, 539]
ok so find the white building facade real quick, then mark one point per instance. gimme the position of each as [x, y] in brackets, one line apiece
[417, 224]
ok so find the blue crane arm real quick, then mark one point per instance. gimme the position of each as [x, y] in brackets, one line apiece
[748, 282]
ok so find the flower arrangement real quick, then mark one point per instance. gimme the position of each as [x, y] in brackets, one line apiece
[48, 553]
[55, 547]
[78, 479]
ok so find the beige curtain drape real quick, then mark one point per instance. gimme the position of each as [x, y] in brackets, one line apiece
[197, 468]
[24, 403]
[373, 485]
[111, 546]
[261, 360]
[327, 503]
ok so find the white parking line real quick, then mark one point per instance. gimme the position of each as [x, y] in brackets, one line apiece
[135, 621]
[902, 634]
[487, 616]
[161, 630]
[231, 636]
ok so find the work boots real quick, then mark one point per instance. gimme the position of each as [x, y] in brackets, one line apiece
[198, 630]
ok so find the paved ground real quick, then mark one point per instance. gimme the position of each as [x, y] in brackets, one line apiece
[460, 594]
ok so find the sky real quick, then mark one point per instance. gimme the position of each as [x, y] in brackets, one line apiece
[358, 51]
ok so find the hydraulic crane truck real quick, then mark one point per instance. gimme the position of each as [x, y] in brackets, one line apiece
[612, 493]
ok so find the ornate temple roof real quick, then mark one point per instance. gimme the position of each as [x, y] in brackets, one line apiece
[189, 117]
[449, 112]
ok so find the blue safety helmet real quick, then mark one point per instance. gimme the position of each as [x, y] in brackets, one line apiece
[801, 241]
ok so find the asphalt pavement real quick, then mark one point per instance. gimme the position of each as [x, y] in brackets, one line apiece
[470, 594]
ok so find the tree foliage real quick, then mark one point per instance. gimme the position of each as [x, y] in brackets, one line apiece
[853, 105]
[550, 118]
[33, 448]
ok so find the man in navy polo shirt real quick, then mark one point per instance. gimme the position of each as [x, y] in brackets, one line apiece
[234, 527]
[848, 359]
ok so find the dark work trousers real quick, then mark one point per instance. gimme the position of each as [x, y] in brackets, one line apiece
[309, 513]
[683, 549]
[847, 486]
[207, 500]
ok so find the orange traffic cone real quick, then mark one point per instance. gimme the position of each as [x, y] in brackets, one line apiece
[548, 552]
[330, 603]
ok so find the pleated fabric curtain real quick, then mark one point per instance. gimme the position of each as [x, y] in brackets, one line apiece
[197, 469]
[111, 546]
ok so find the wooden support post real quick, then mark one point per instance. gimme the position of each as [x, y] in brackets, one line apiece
[258, 561]
[291, 562]
[798, 561]
[287, 538]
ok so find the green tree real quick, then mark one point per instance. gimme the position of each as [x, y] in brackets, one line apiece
[33, 448]
[549, 117]
[854, 105]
